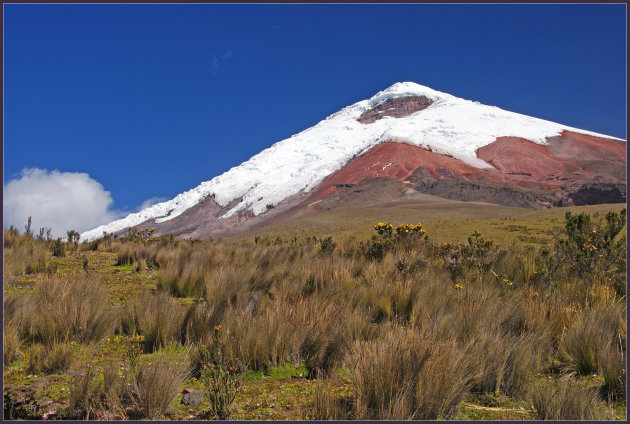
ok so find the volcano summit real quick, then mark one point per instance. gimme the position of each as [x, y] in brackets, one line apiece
[406, 140]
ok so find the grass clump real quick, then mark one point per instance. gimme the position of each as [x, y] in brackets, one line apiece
[156, 317]
[61, 310]
[11, 344]
[49, 359]
[583, 342]
[561, 400]
[155, 386]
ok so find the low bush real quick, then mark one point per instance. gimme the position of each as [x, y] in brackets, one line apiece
[220, 379]
[476, 256]
[59, 248]
[327, 245]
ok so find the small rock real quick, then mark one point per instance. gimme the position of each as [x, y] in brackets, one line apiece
[193, 398]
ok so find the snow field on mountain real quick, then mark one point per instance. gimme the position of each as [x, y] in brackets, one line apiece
[450, 126]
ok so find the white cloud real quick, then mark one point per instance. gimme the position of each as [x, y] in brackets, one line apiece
[150, 202]
[216, 60]
[61, 201]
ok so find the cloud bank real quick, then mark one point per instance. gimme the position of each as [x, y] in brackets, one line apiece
[61, 201]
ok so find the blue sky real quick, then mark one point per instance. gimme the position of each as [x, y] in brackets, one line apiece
[151, 100]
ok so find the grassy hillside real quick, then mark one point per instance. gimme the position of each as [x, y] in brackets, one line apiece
[445, 220]
[325, 316]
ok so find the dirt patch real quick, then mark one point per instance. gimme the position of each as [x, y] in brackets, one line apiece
[398, 107]
[566, 160]
[393, 160]
[567, 171]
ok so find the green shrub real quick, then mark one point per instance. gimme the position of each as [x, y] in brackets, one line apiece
[59, 248]
[588, 248]
[476, 256]
[327, 245]
[220, 379]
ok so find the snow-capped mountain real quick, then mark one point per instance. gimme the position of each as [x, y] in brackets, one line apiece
[422, 119]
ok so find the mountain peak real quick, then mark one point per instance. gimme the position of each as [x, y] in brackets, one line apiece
[407, 89]
[405, 112]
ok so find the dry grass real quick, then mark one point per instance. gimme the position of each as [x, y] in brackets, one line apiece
[156, 317]
[11, 343]
[612, 366]
[562, 400]
[444, 381]
[155, 387]
[592, 331]
[330, 406]
[385, 373]
[59, 310]
[414, 341]
[56, 357]
[405, 375]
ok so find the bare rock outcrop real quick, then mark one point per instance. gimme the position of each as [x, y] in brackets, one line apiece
[397, 107]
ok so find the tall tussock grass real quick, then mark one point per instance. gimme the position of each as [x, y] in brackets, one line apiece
[155, 386]
[561, 400]
[49, 359]
[145, 392]
[513, 309]
[28, 256]
[612, 366]
[59, 310]
[135, 254]
[406, 375]
[11, 344]
[329, 406]
[504, 362]
[417, 326]
[385, 374]
[592, 331]
[156, 316]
